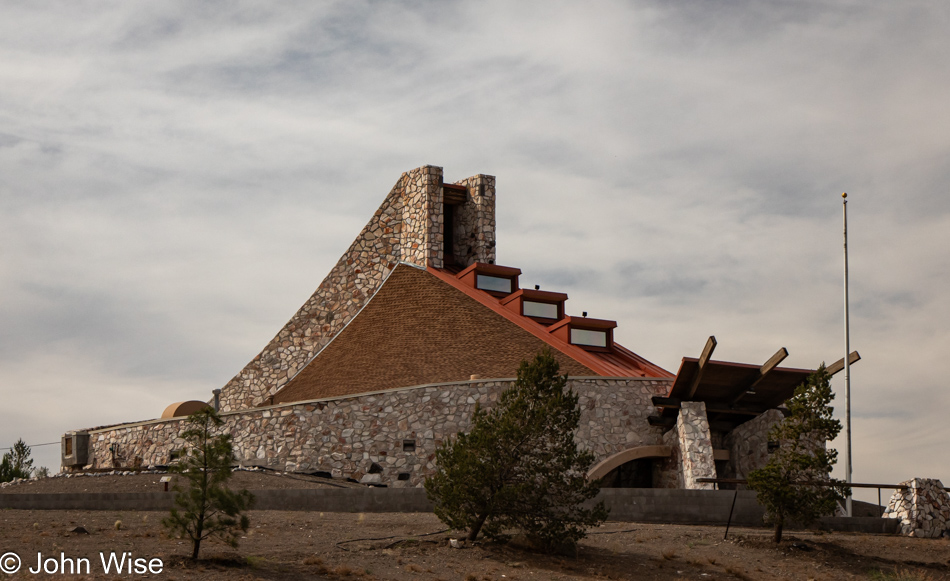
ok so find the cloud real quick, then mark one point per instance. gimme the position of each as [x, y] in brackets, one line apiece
[176, 179]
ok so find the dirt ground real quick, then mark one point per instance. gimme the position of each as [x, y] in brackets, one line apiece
[304, 545]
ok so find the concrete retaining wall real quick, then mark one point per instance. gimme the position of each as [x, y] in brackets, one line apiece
[670, 505]
[710, 507]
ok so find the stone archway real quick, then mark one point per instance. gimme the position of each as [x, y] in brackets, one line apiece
[604, 467]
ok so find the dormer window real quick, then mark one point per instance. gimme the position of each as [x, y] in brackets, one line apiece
[543, 307]
[589, 338]
[498, 281]
[493, 283]
[539, 310]
[586, 333]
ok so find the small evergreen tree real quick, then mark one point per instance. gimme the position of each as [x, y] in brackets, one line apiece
[208, 508]
[16, 463]
[518, 468]
[785, 485]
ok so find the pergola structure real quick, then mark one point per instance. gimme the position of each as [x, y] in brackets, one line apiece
[733, 392]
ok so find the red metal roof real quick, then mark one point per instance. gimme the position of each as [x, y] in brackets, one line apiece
[616, 362]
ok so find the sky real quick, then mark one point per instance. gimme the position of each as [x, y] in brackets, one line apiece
[176, 179]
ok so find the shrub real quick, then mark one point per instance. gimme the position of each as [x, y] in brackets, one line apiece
[518, 468]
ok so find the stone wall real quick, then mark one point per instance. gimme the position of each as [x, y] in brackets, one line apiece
[692, 448]
[923, 508]
[407, 227]
[367, 437]
[748, 444]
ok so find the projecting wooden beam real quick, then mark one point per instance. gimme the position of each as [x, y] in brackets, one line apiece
[722, 426]
[666, 402]
[838, 365]
[769, 365]
[673, 403]
[707, 353]
[662, 422]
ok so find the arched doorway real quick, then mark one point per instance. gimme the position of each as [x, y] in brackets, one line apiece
[631, 468]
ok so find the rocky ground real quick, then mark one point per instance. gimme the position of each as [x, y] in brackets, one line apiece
[302, 545]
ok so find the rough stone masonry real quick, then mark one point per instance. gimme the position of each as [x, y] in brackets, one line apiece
[923, 508]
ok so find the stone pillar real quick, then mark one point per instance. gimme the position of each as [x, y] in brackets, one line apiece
[421, 238]
[923, 508]
[692, 456]
[748, 444]
[475, 222]
[695, 444]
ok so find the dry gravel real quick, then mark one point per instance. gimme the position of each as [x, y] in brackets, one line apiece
[302, 545]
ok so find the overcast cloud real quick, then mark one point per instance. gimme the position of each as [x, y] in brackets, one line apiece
[177, 178]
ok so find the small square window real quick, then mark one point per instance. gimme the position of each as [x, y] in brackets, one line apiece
[403, 476]
[408, 445]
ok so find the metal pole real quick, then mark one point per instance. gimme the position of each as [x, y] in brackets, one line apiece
[729, 522]
[847, 359]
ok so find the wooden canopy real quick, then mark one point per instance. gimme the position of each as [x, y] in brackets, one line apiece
[733, 392]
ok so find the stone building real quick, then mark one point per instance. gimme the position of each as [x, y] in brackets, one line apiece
[416, 324]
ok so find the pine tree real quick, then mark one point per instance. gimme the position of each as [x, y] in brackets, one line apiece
[16, 463]
[208, 508]
[785, 485]
[518, 468]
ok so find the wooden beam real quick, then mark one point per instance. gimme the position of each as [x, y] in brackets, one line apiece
[722, 426]
[703, 358]
[666, 402]
[673, 403]
[838, 365]
[769, 365]
[662, 422]
[735, 411]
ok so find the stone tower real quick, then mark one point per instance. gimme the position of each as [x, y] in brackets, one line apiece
[424, 222]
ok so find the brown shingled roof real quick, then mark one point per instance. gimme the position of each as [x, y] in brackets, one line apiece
[418, 330]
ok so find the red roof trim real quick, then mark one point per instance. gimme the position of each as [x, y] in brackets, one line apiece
[490, 269]
[535, 295]
[583, 323]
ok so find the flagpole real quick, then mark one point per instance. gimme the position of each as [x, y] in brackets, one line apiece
[847, 358]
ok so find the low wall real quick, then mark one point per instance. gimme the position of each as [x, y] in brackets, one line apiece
[672, 506]
[319, 500]
[385, 435]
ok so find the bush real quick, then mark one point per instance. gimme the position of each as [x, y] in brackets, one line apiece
[208, 508]
[518, 468]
